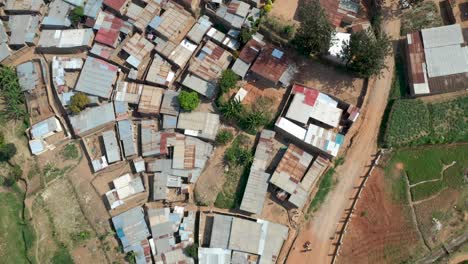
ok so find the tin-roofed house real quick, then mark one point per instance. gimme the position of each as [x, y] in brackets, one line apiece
[117, 6]
[125, 187]
[5, 51]
[199, 124]
[205, 69]
[57, 17]
[23, 6]
[436, 60]
[39, 132]
[257, 183]
[160, 72]
[342, 12]
[170, 108]
[129, 92]
[199, 30]
[131, 228]
[127, 137]
[111, 146]
[92, 8]
[273, 66]
[23, 30]
[108, 28]
[29, 75]
[246, 57]
[232, 15]
[174, 23]
[97, 78]
[65, 41]
[150, 100]
[147, 14]
[92, 118]
[138, 49]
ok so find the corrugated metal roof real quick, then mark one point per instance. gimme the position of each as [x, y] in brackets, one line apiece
[24, 5]
[23, 29]
[442, 36]
[127, 137]
[182, 53]
[207, 124]
[272, 239]
[97, 77]
[170, 104]
[58, 14]
[291, 168]
[151, 10]
[150, 100]
[268, 66]
[128, 92]
[150, 138]
[138, 47]
[255, 192]
[70, 38]
[108, 27]
[130, 227]
[210, 62]
[214, 256]
[245, 236]
[240, 68]
[92, 118]
[117, 5]
[175, 23]
[28, 75]
[92, 8]
[5, 51]
[199, 30]
[111, 146]
[160, 190]
[160, 71]
[220, 231]
[45, 127]
[205, 88]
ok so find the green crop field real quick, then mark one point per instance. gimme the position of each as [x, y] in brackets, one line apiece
[427, 163]
[413, 122]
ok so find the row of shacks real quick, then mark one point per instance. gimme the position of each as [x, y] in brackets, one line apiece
[138, 54]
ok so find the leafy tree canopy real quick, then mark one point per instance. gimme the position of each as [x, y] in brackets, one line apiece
[7, 151]
[78, 102]
[228, 80]
[314, 36]
[188, 100]
[365, 53]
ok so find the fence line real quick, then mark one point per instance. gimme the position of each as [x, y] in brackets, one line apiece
[353, 205]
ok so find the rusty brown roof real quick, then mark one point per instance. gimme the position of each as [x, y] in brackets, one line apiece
[416, 57]
[250, 51]
[269, 66]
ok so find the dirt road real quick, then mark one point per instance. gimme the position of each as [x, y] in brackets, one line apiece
[321, 230]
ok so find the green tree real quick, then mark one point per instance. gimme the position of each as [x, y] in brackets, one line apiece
[192, 251]
[365, 53]
[12, 94]
[7, 151]
[228, 80]
[131, 257]
[188, 100]
[76, 15]
[224, 136]
[78, 102]
[246, 35]
[314, 35]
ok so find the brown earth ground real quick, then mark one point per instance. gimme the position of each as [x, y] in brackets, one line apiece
[285, 9]
[321, 229]
[381, 230]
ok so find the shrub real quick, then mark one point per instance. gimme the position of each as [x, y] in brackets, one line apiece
[76, 15]
[246, 35]
[78, 102]
[7, 151]
[267, 8]
[15, 172]
[192, 251]
[224, 136]
[81, 236]
[239, 153]
[188, 100]
[70, 152]
[228, 80]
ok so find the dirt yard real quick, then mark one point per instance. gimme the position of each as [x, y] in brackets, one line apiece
[381, 230]
[324, 223]
[329, 79]
[285, 9]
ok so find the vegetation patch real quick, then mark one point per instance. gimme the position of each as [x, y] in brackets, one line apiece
[188, 100]
[224, 136]
[12, 95]
[424, 15]
[413, 122]
[18, 235]
[326, 183]
[238, 157]
[70, 152]
[431, 169]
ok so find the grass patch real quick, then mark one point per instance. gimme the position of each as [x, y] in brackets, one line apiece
[70, 152]
[62, 256]
[51, 172]
[425, 15]
[427, 163]
[17, 236]
[326, 183]
[413, 122]
[239, 159]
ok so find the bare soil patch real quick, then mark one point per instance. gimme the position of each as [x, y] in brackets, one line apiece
[285, 9]
[381, 230]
